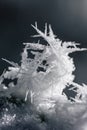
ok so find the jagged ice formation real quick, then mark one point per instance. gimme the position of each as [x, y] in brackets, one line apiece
[46, 71]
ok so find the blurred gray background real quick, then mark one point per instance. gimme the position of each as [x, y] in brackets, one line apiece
[67, 17]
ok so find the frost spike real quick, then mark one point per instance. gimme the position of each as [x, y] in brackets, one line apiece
[71, 50]
[26, 96]
[1, 77]
[51, 34]
[45, 29]
[36, 24]
[34, 46]
[11, 63]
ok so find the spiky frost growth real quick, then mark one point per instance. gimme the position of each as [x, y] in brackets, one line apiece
[43, 76]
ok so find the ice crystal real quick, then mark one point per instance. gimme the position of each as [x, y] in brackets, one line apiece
[46, 71]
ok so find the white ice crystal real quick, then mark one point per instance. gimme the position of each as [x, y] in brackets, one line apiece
[46, 70]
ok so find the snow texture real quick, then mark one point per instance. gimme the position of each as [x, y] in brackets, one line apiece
[36, 92]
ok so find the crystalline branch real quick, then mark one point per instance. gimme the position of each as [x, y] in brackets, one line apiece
[45, 72]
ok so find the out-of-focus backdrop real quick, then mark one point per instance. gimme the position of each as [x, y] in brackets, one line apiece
[67, 17]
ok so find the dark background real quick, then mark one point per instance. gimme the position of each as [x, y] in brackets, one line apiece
[67, 17]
